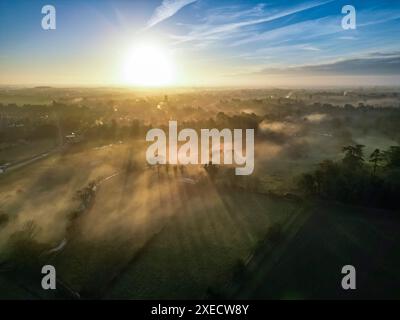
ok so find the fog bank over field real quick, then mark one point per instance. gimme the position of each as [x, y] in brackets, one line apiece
[76, 190]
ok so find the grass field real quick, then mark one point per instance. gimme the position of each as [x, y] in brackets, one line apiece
[334, 236]
[201, 245]
[144, 228]
[151, 234]
[23, 151]
[134, 242]
[44, 190]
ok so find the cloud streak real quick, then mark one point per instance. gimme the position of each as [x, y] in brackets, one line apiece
[166, 10]
[378, 65]
[211, 31]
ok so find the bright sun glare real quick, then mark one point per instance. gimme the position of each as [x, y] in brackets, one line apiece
[149, 65]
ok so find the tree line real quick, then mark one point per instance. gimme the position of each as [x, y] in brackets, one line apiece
[372, 181]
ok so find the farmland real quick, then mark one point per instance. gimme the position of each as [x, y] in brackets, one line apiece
[309, 266]
[80, 195]
[144, 227]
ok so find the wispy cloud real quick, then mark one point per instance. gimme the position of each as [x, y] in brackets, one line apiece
[347, 38]
[212, 31]
[309, 47]
[303, 30]
[167, 9]
[380, 65]
[233, 12]
[391, 54]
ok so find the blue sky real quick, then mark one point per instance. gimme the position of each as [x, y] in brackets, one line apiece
[212, 42]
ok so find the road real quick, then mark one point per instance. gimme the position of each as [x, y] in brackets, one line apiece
[23, 163]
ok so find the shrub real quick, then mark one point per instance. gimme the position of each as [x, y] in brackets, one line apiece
[25, 250]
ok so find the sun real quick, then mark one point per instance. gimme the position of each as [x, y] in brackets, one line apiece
[148, 65]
